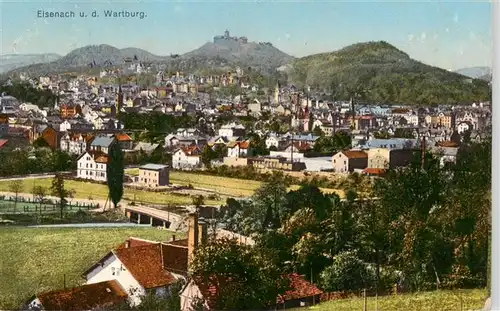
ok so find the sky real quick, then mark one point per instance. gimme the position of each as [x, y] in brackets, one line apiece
[450, 35]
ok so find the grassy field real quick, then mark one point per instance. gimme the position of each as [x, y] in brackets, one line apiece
[222, 185]
[459, 300]
[36, 259]
[86, 190]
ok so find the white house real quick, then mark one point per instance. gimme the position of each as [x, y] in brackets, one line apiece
[238, 149]
[232, 130]
[92, 165]
[275, 141]
[74, 144]
[186, 158]
[146, 268]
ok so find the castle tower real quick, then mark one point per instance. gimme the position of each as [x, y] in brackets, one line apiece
[226, 34]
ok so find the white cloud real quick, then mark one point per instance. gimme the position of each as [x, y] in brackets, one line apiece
[411, 37]
[287, 36]
[455, 18]
[435, 36]
[447, 30]
[423, 36]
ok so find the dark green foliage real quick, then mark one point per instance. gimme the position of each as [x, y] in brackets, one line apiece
[429, 229]
[26, 93]
[115, 171]
[44, 160]
[387, 75]
[347, 273]
[59, 191]
[234, 270]
[333, 144]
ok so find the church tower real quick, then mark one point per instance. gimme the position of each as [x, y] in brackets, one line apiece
[277, 93]
[119, 100]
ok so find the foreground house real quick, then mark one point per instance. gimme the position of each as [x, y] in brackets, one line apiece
[141, 270]
[86, 297]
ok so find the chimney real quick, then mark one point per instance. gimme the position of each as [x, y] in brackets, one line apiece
[202, 232]
[127, 244]
[192, 234]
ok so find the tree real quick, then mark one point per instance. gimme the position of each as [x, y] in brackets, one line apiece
[317, 131]
[347, 272]
[16, 186]
[270, 201]
[58, 190]
[40, 193]
[198, 201]
[207, 155]
[233, 270]
[115, 171]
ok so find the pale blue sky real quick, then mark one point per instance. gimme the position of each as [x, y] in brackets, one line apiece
[450, 35]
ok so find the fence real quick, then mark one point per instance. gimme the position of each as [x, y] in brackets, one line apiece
[46, 205]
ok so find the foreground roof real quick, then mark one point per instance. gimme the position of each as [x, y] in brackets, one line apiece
[84, 297]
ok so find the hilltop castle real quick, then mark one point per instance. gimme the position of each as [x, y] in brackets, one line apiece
[227, 37]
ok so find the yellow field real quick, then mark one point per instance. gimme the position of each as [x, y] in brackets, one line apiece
[446, 300]
[87, 190]
[223, 185]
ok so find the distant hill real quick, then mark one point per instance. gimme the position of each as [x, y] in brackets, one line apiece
[12, 61]
[263, 57]
[474, 72]
[100, 55]
[222, 53]
[379, 72]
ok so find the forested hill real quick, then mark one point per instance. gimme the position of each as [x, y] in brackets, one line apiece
[382, 73]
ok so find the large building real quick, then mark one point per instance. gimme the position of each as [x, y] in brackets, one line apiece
[154, 175]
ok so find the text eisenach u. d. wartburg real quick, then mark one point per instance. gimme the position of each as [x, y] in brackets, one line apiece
[92, 14]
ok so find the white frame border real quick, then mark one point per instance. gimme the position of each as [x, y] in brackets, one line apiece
[495, 165]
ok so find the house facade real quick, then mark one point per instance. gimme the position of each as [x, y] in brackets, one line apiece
[186, 158]
[154, 175]
[92, 165]
[347, 161]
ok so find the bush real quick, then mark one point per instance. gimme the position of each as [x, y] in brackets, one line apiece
[347, 273]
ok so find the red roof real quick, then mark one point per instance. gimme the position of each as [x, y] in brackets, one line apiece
[145, 265]
[134, 242]
[85, 297]
[299, 288]
[374, 171]
[3, 142]
[175, 258]
[355, 154]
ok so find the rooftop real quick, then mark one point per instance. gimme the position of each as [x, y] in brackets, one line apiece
[153, 167]
[85, 297]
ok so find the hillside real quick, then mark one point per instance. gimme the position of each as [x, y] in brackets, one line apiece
[101, 55]
[382, 73]
[262, 57]
[12, 61]
[223, 54]
[474, 72]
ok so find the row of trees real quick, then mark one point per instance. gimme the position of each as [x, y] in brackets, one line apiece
[24, 92]
[42, 160]
[428, 229]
